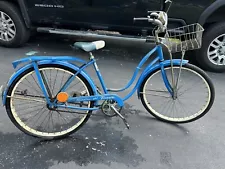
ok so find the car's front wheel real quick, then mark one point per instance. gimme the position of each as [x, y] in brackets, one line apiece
[13, 32]
[211, 56]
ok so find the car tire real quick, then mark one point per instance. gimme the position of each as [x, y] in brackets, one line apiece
[14, 32]
[211, 56]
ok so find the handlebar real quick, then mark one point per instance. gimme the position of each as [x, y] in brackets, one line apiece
[154, 21]
[159, 18]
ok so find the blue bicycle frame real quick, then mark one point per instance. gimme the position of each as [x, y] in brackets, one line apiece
[157, 63]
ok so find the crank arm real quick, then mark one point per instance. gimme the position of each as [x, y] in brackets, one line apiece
[121, 116]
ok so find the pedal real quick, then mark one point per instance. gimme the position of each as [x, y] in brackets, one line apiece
[121, 116]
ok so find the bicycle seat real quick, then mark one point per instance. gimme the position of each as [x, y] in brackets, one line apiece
[90, 46]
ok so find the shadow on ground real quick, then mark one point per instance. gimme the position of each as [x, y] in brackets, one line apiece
[93, 144]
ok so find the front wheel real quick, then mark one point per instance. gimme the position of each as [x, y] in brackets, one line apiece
[195, 95]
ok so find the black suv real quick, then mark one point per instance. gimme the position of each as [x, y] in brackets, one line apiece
[19, 18]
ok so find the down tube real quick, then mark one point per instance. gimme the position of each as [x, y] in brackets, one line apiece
[137, 84]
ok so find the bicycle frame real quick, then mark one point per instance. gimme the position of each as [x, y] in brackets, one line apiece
[157, 63]
[106, 95]
[160, 58]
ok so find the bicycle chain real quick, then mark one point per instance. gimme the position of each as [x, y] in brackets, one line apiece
[82, 113]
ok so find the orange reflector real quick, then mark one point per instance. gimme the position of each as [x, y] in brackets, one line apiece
[62, 97]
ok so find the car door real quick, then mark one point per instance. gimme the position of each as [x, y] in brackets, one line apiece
[119, 14]
[61, 12]
[97, 14]
[44, 11]
[75, 12]
[113, 12]
[105, 14]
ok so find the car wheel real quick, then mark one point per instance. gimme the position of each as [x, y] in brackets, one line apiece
[13, 32]
[211, 56]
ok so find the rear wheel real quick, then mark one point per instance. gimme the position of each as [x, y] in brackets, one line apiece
[27, 108]
[195, 95]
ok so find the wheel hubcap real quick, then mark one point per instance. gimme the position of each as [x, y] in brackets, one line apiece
[216, 50]
[7, 27]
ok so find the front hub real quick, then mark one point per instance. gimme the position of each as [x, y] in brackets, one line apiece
[174, 94]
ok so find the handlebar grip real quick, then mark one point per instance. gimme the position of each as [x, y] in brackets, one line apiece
[154, 21]
[154, 15]
[140, 19]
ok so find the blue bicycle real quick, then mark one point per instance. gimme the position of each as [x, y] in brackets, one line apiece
[51, 97]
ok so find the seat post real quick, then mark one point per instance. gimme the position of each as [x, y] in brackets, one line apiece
[91, 56]
[98, 73]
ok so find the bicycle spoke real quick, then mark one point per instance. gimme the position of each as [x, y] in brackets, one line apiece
[73, 85]
[52, 120]
[36, 85]
[159, 91]
[20, 93]
[174, 105]
[25, 101]
[35, 115]
[66, 83]
[27, 109]
[25, 104]
[27, 86]
[194, 84]
[61, 85]
[58, 118]
[50, 79]
[170, 107]
[36, 82]
[33, 88]
[167, 103]
[47, 121]
[81, 88]
[54, 83]
[44, 119]
[39, 116]
[155, 95]
[61, 116]
[36, 100]
[182, 107]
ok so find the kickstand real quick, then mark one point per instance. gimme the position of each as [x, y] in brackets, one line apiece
[123, 118]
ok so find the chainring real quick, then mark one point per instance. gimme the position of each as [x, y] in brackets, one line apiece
[107, 110]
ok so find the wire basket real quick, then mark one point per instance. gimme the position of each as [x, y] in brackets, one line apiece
[184, 38]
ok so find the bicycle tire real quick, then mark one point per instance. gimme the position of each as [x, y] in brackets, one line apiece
[31, 132]
[195, 70]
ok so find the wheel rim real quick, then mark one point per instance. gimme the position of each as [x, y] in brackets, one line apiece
[167, 111]
[7, 27]
[216, 51]
[39, 130]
